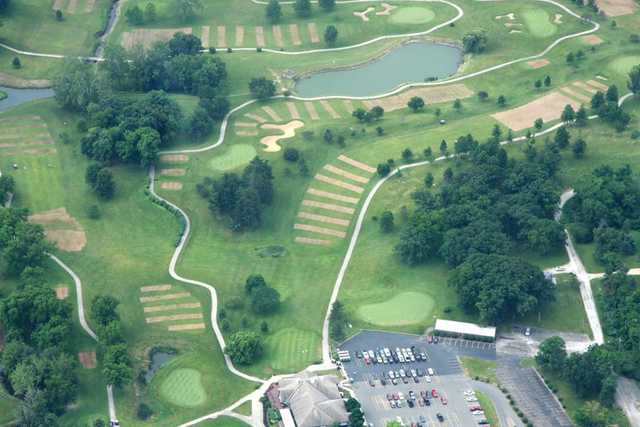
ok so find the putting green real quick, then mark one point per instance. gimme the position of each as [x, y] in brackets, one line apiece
[183, 387]
[412, 15]
[406, 308]
[624, 64]
[235, 156]
[292, 349]
[539, 23]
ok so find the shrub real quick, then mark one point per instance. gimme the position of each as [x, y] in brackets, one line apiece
[291, 154]
[144, 411]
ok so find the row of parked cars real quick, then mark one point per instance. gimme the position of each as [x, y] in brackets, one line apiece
[386, 355]
[475, 408]
[422, 421]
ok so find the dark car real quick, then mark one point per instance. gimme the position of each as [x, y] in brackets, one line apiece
[427, 402]
[394, 381]
[405, 380]
[358, 354]
[440, 417]
[383, 381]
[371, 383]
[483, 422]
[416, 379]
[410, 403]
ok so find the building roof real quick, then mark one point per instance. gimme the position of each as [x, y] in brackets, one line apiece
[313, 400]
[465, 328]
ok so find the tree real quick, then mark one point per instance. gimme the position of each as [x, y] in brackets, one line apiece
[104, 186]
[150, 14]
[634, 80]
[22, 244]
[186, 10]
[407, 155]
[59, 16]
[376, 112]
[143, 411]
[475, 41]
[608, 391]
[579, 148]
[537, 84]
[244, 347]
[184, 44]
[587, 371]
[216, 107]
[538, 124]
[134, 15]
[337, 321]
[265, 300]
[480, 236]
[273, 11]
[483, 95]
[568, 114]
[386, 222]
[428, 180]
[302, 8]
[502, 101]
[562, 138]
[416, 104]
[457, 105]
[116, 365]
[500, 288]
[428, 153]
[547, 81]
[581, 117]
[330, 35]
[552, 354]
[259, 176]
[4, 5]
[253, 282]
[420, 239]
[570, 58]
[291, 154]
[7, 186]
[612, 94]
[383, 169]
[327, 5]
[77, 86]
[103, 309]
[262, 88]
[591, 414]
[199, 124]
[597, 100]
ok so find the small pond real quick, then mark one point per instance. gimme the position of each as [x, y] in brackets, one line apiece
[409, 63]
[20, 96]
[158, 360]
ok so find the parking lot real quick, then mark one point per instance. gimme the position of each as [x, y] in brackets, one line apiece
[379, 401]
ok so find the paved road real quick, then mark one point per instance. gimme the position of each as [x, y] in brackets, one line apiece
[506, 415]
[628, 398]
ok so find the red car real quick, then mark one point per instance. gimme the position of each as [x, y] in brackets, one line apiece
[443, 400]
[475, 408]
[434, 393]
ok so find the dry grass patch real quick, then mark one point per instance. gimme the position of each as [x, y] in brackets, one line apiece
[206, 30]
[592, 40]
[87, 359]
[173, 172]
[171, 185]
[258, 118]
[155, 288]
[323, 218]
[62, 292]
[174, 158]
[222, 36]
[355, 163]
[431, 95]
[339, 183]
[260, 37]
[328, 206]
[166, 297]
[329, 109]
[547, 108]
[309, 241]
[617, 7]
[239, 35]
[277, 34]
[320, 230]
[294, 31]
[596, 84]
[311, 110]
[572, 93]
[272, 114]
[61, 229]
[293, 111]
[346, 174]
[170, 307]
[147, 37]
[333, 196]
[313, 32]
[538, 63]
[187, 327]
[173, 317]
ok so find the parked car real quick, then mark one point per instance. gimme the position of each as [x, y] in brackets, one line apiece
[428, 378]
[420, 402]
[527, 332]
[430, 339]
[405, 380]
[440, 417]
[434, 393]
[416, 380]
[430, 371]
[443, 400]
[383, 381]
[394, 381]
[423, 356]
[402, 373]
[427, 402]
[412, 395]
[413, 373]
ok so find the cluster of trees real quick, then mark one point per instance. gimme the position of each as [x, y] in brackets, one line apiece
[136, 16]
[7, 186]
[356, 414]
[338, 322]
[116, 362]
[365, 116]
[244, 347]
[606, 208]
[262, 88]
[484, 210]
[475, 41]
[100, 179]
[303, 9]
[241, 199]
[22, 244]
[590, 374]
[606, 106]
[264, 299]
[37, 364]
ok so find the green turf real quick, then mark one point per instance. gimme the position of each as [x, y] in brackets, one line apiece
[624, 64]
[488, 408]
[406, 308]
[538, 22]
[3, 95]
[222, 422]
[412, 15]
[233, 157]
[481, 368]
[292, 349]
[183, 387]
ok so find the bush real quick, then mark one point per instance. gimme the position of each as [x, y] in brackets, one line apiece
[291, 154]
[93, 212]
[144, 411]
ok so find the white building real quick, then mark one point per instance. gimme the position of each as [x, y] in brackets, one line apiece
[465, 330]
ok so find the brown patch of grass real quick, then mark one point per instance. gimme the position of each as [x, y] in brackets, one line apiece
[171, 185]
[146, 37]
[538, 63]
[431, 95]
[187, 327]
[88, 359]
[617, 7]
[62, 292]
[548, 108]
[62, 229]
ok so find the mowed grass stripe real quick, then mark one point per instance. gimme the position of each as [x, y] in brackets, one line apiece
[171, 307]
[292, 349]
[165, 297]
[333, 196]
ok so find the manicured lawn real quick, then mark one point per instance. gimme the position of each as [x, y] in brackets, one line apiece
[481, 368]
[222, 422]
[406, 308]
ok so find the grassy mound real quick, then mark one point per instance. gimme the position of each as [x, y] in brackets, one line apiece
[291, 349]
[412, 15]
[234, 157]
[538, 22]
[624, 64]
[183, 387]
[271, 251]
[406, 308]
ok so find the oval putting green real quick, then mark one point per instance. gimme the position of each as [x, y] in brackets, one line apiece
[412, 15]
[183, 387]
[235, 156]
[539, 23]
[406, 308]
[624, 64]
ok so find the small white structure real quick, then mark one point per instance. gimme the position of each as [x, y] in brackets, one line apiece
[465, 330]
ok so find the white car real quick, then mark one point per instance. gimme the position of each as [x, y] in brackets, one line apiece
[469, 393]
[402, 373]
[428, 378]
[371, 354]
[478, 412]
[430, 372]
[401, 358]
[471, 399]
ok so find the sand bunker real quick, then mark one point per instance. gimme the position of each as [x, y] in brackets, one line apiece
[510, 16]
[548, 108]
[387, 9]
[617, 7]
[431, 95]
[288, 131]
[62, 292]
[592, 40]
[538, 63]
[363, 15]
[87, 359]
[61, 229]
[557, 19]
[146, 37]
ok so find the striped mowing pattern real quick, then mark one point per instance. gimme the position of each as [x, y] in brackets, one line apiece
[170, 307]
[344, 173]
[320, 230]
[332, 196]
[166, 297]
[365, 167]
[186, 327]
[338, 183]
[155, 288]
[172, 317]
[328, 206]
[323, 218]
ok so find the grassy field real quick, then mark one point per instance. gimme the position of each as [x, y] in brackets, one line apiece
[480, 368]
[222, 422]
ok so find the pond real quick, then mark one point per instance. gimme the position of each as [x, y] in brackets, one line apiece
[20, 96]
[409, 63]
[158, 360]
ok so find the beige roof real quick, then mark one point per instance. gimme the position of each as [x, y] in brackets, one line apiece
[314, 401]
[465, 328]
